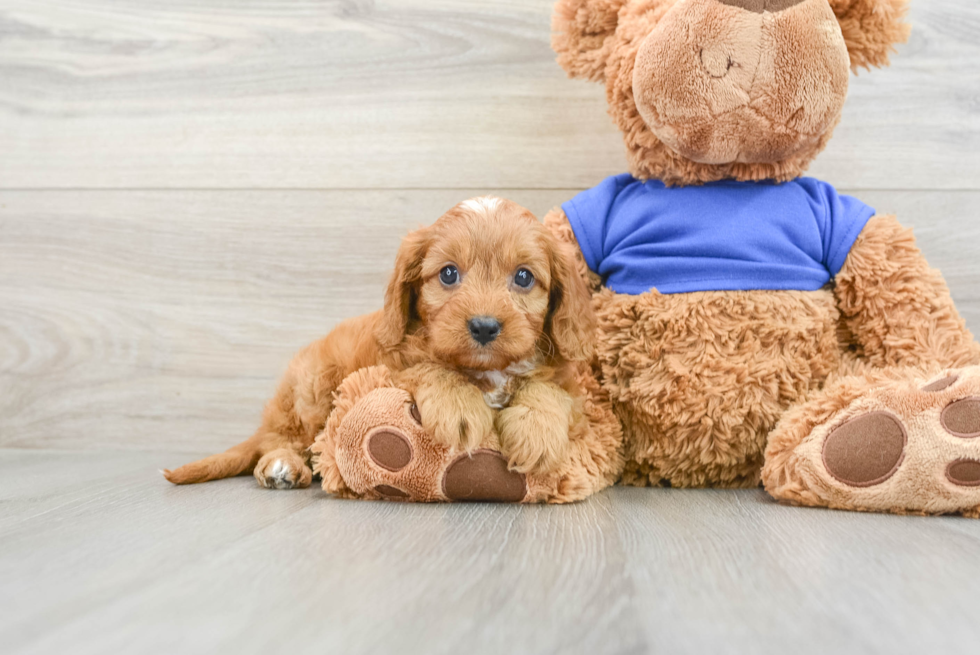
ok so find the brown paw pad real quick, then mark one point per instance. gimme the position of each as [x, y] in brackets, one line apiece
[941, 384]
[866, 450]
[962, 418]
[483, 476]
[389, 449]
[964, 472]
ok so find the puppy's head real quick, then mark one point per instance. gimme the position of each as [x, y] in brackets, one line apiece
[487, 286]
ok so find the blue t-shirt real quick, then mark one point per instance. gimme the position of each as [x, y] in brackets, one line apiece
[723, 236]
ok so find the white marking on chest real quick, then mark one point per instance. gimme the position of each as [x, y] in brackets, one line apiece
[499, 395]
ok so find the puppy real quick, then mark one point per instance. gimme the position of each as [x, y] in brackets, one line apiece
[485, 321]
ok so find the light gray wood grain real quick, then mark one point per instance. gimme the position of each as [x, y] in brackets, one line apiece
[110, 558]
[736, 572]
[146, 320]
[396, 94]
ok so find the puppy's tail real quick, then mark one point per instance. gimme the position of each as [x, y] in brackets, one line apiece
[234, 461]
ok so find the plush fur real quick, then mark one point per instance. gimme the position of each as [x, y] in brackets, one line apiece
[727, 388]
[527, 391]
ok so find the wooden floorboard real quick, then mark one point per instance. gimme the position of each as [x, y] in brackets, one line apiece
[734, 568]
[396, 94]
[108, 557]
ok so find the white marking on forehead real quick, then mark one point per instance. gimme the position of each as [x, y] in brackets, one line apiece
[483, 204]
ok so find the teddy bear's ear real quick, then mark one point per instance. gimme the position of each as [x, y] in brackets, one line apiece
[871, 29]
[581, 30]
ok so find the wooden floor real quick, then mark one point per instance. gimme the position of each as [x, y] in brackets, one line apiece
[192, 190]
[98, 554]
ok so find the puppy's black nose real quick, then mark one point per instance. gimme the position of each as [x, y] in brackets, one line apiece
[484, 329]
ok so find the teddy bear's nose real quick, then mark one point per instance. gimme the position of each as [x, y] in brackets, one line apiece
[759, 6]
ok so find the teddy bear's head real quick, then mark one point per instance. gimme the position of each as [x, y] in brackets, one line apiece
[706, 90]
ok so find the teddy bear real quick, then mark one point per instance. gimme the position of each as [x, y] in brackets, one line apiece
[755, 326]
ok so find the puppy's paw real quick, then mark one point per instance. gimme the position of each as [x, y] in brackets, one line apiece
[457, 419]
[533, 440]
[283, 469]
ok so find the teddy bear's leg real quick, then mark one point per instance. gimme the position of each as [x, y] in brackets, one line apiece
[896, 309]
[890, 438]
[886, 441]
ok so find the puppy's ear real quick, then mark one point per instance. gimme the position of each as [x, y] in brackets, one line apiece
[581, 32]
[402, 292]
[571, 321]
[871, 29]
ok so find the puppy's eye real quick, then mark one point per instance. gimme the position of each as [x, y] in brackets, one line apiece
[524, 278]
[449, 275]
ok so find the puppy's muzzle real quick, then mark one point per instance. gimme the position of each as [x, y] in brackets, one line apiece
[484, 329]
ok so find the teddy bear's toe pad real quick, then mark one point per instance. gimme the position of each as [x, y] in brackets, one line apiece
[940, 384]
[964, 472]
[483, 476]
[962, 418]
[866, 450]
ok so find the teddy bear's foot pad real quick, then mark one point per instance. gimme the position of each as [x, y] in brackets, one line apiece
[483, 476]
[390, 449]
[905, 446]
[866, 450]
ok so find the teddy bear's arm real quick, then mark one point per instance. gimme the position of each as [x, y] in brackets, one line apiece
[897, 309]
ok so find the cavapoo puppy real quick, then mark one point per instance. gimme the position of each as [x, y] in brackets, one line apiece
[484, 319]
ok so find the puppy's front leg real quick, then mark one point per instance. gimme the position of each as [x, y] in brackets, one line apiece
[451, 407]
[533, 429]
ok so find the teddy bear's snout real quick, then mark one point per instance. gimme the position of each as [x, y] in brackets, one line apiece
[748, 81]
[717, 62]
